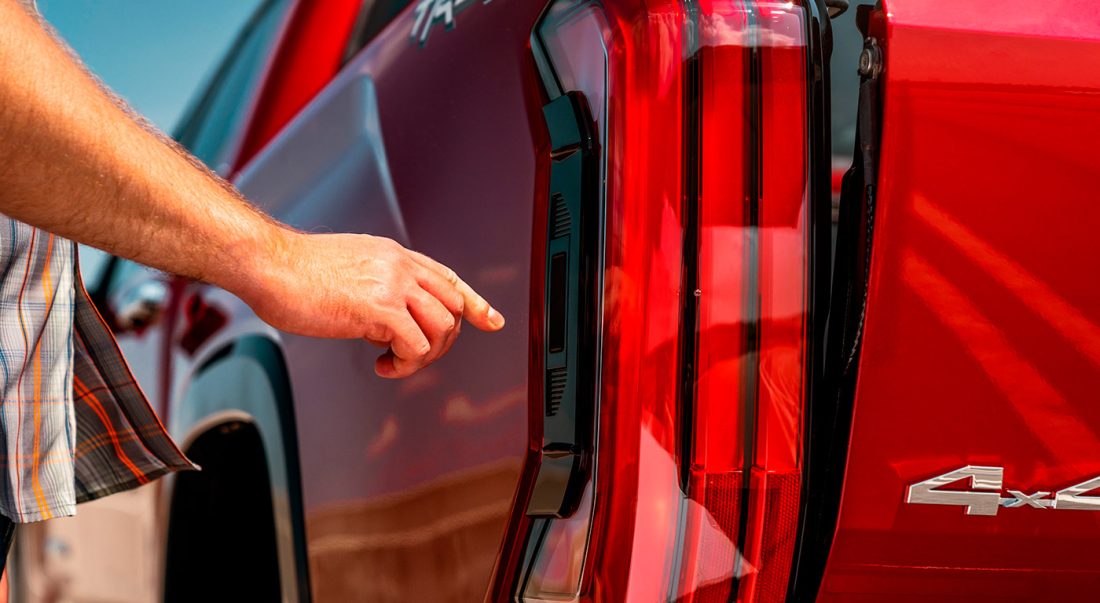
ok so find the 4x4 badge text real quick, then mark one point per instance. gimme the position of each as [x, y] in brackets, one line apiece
[986, 486]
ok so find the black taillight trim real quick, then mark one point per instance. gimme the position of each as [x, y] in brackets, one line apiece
[688, 357]
[832, 388]
[572, 291]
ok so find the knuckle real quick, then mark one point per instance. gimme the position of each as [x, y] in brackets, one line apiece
[385, 294]
[378, 331]
[392, 252]
[405, 267]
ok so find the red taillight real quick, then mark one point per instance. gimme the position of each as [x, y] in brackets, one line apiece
[703, 359]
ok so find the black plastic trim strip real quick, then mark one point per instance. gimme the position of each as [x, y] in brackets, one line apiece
[829, 421]
[689, 275]
[569, 328]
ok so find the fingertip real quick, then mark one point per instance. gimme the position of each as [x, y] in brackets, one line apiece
[390, 366]
[395, 367]
[383, 366]
[486, 323]
[496, 319]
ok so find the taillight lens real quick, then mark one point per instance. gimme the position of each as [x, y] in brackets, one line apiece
[703, 109]
[745, 469]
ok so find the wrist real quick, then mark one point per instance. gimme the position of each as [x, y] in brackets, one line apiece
[262, 262]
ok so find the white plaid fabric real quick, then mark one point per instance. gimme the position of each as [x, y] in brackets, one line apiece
[74, 425]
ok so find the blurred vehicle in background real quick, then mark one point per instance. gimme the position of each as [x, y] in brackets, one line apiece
[696, 397]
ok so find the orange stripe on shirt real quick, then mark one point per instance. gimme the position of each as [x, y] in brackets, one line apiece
[96, 407]
[47, 291]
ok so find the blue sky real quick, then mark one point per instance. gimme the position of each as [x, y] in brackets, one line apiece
[153, 53]
[156, 54]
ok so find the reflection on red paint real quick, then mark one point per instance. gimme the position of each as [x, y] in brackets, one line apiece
[1062, 316]
[979, 345]
[1029, 394]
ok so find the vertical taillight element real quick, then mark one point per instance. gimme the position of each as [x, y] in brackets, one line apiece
[775, 395]
[704, 339]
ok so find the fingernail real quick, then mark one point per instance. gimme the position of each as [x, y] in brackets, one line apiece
[495, 319]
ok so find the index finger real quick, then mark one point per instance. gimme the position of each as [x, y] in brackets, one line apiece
[476, 310]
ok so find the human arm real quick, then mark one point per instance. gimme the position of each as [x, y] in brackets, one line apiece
[74, 162]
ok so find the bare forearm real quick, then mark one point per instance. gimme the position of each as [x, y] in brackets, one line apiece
[73, 162]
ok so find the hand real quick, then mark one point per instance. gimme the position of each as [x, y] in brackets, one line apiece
[345, 286]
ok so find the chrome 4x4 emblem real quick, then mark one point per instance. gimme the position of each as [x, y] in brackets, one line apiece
[984, 496]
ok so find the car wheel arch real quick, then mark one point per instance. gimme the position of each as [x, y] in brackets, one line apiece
[245, 382]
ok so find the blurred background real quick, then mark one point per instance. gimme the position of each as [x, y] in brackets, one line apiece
[156, 55]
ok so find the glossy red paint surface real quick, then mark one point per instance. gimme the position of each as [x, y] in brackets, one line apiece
[408, 484]
[310, 53]
[982, 340]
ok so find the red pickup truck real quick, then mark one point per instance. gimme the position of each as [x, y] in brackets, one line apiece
[713, 386]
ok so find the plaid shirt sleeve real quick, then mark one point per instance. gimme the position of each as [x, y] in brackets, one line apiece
[120, 442]
[74, 425]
